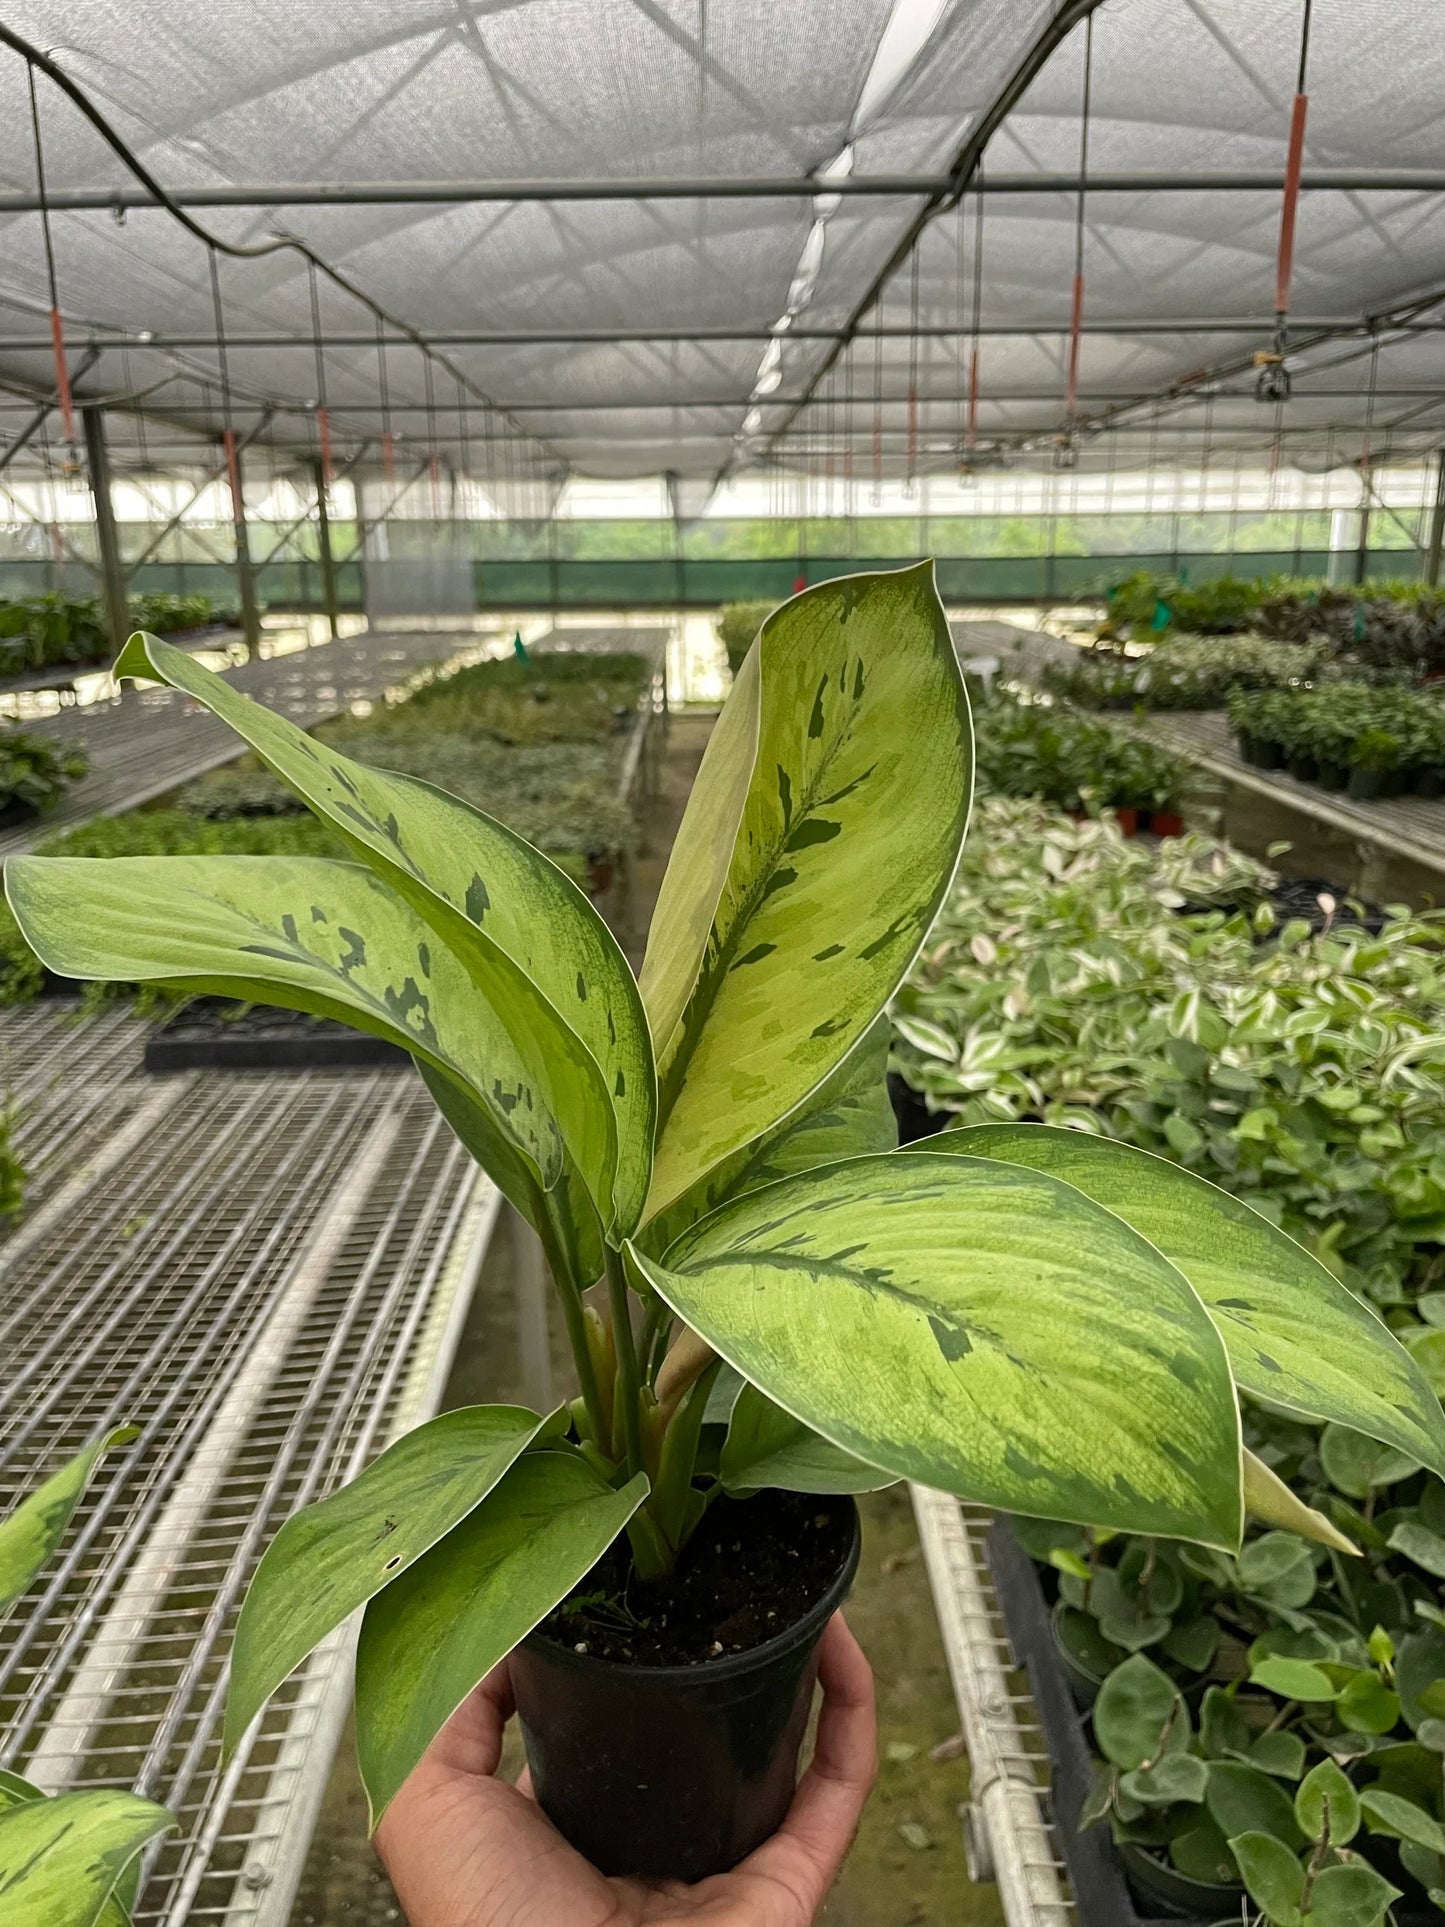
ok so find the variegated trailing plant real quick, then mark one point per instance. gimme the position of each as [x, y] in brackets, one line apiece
[1032, 1321]
[69, 1859]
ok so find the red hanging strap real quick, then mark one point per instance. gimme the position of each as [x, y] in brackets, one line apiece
[233, 475]
[388, 454]
[1076, 326]
[62, 375]
[1293, 164]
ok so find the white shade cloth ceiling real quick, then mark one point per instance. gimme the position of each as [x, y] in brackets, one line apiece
[215, 93]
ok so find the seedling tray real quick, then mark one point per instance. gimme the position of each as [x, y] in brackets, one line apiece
[215, 1034]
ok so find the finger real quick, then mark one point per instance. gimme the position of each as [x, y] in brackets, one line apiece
[804, 1855]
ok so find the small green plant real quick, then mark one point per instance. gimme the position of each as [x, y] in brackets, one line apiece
[707, 1156]
[70, 1859]
[1159, 997]
[737, 628]
[34, 771]
[1045, 750]
[1183, 672]
[1347, 726]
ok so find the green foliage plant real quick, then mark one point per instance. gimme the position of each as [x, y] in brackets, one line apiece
[1349, 725]
[1047, 750]
[1159, 998]
[737, 626]
[72, 1859]
[1310, 1687]
[1183, 672]
[710, 1162]
[35, 770]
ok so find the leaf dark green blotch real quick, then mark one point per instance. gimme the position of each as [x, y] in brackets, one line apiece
[1295, 1335]
[30, 1534]
[850, 1113]
[333, 1556]
[1093, 1386]
[834, 832]
[523, 952]
[435, 1632]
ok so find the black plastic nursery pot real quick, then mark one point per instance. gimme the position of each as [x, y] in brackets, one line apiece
[673, 1772]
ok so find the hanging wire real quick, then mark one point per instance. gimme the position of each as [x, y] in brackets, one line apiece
[57, 330]
[849, 504]
[463, 441]
[228, 425]
[432, 465]
[388, 440]
[1273, 384]
[877, 419]
[970, 439]
[913, 319]
[1076, 309]
[142, 445]
[323, 414]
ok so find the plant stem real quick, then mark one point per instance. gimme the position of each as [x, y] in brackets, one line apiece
[629, 1379]
[570, 1293]
[656, 1316]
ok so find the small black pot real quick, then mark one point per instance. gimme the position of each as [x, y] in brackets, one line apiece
[1333, 776]
[1304, 769]
[672, 1772]
[1429, 781]
[1366, 784]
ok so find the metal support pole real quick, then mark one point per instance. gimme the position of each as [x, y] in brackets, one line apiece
[245, 574]
[97, 461]
[1437, 525]
[328, 565]
[1362, 547]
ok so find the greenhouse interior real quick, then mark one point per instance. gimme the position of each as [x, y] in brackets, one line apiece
[722, 995]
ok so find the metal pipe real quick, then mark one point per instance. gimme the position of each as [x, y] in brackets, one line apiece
[800, 331]
[112, 575]
[742, 187]
[1437, 525]
[328, 564]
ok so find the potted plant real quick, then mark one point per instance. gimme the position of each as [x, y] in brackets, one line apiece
[708, 1157]
[1376, 757]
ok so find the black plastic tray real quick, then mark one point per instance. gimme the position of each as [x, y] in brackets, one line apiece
[212, 1034]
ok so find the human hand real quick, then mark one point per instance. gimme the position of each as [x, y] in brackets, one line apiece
[464, 1849]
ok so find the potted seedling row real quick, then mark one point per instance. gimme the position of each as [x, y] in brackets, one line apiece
[770, 1305]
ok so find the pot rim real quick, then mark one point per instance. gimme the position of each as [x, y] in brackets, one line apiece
[728, 1665]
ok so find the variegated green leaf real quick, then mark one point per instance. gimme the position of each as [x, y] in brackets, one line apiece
[976, 1327]
[307, 934]
[563, 1214]
[855, 814]
[702, 854]
[1270, 1501]
[533, 945]
[848, 1114]
[30, 1534]
[767, 1447]
[333, 1556]
[1295, 1335]
[61, 1860]
[438, 1630]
